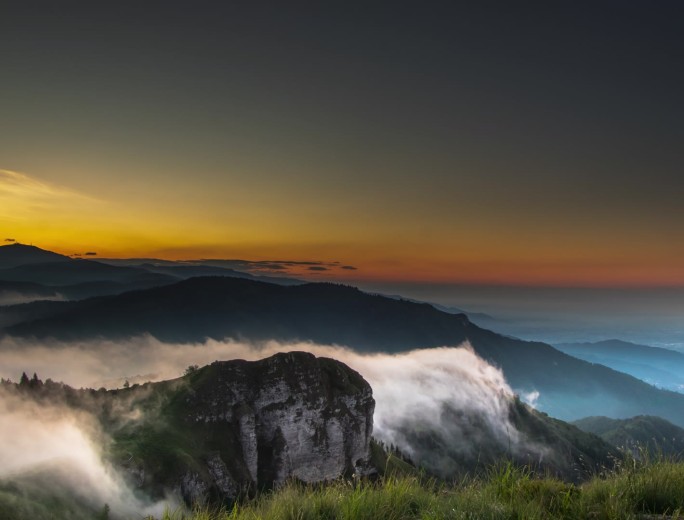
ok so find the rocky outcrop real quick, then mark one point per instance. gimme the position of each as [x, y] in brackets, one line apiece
[290, 416]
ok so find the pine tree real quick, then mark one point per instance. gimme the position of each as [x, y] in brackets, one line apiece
[35, 382]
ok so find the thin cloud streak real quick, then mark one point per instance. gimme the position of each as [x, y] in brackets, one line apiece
[21, 195]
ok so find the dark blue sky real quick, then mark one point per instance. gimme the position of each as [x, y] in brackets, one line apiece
[541, 141]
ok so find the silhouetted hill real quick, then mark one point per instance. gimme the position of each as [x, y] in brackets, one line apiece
[231, 307]
[14, 255]
[85, 290]
[35, 310]
[219, 308]
[18, 293]
[658, 366]
[184, 272]
[646, 432]
[79, 271]
[81, 278]
[472, 316]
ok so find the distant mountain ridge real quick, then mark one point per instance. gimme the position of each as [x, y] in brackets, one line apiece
[199, 308]
[658, 366]
[79, 271]
[28, 273]
[183, 272]
[472, 316]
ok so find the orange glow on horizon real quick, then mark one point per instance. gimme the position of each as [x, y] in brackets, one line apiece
[383, 249]
[472, 273]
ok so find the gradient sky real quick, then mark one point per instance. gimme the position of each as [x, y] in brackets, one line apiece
[498, 142]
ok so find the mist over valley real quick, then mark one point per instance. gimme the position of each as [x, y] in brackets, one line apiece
[450, 397]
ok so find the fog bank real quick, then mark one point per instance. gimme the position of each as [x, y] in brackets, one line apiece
[64, 448]
[449, 391]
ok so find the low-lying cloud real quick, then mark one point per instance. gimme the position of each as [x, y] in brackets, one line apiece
[17, 298]
[424, 387]
[65, 447]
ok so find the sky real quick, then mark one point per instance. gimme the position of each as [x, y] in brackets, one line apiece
[438, 142]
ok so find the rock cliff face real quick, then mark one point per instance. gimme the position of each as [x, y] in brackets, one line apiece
[260, 423]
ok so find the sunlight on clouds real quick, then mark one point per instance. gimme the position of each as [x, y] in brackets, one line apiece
[53, 216]
[66, 220]
[21, 196]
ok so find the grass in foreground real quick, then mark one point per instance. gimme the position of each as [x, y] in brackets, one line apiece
[635, 491]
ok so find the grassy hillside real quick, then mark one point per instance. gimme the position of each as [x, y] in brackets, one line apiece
[636, 490]
[648, 491]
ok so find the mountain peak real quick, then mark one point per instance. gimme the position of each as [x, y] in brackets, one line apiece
[13, 255]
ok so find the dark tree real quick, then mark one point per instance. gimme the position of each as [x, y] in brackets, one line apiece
[35, 382]
[191, 369]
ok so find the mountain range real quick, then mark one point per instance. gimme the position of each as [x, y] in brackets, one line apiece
[247, 309]
[193, 310]
[28, 273]
[199, 434]
[661, 367]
